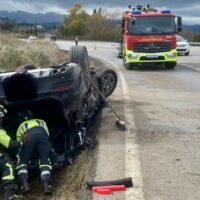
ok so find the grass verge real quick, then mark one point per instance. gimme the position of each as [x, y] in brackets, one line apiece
[15, 52]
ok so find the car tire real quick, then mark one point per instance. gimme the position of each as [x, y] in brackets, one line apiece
[107, 80]
[79, 55]
[187, 54]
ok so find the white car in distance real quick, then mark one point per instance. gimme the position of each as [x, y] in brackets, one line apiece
[183, 46]
[32, 37]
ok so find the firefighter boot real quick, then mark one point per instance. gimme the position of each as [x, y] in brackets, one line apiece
[47, 188]
[46, 179]
[9, 192]
[25, 186]
[24, 183]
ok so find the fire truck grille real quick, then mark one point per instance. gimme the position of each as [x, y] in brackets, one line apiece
[143, 58]
[152, 47]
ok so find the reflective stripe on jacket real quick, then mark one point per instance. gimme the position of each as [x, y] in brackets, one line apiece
[28, 124]
[4, 138]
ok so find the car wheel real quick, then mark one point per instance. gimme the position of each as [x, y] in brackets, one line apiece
[187, 54]
[107, 80]
[79, 55]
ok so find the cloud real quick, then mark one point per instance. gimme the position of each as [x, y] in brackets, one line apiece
[116, 3]
[180, 7]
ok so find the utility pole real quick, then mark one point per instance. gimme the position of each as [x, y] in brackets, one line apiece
[35, 29]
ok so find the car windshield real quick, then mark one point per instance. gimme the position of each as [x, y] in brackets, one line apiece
[179, 38]
[151, 25]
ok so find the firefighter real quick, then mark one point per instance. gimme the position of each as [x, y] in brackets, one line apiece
[76, 41]
[34, 134]
[6, 167]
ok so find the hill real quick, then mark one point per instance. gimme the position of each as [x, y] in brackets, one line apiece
[194, 28]
[51, 19]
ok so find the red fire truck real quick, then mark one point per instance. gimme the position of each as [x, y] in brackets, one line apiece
[149, 37]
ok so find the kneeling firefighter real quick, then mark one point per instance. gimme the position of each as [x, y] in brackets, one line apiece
[6, 167]
[34, 134]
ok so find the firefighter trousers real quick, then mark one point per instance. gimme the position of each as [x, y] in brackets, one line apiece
[37, 142]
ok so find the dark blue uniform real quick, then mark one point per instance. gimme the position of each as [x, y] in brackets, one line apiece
[35, 137]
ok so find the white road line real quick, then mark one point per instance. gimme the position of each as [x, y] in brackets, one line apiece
[187, 66]
[133, 168]
[191, 67]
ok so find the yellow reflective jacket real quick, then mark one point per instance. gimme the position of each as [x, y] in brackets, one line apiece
[28, 124]
[4, 138]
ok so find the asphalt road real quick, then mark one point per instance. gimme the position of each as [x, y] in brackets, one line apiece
[161, 148]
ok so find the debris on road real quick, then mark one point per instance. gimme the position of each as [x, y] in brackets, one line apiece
[127, 182]
[108, 189]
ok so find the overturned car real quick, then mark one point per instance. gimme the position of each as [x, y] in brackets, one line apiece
[63, 95]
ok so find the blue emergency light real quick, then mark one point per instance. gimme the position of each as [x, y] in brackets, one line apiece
[166, 11]
[136, 12]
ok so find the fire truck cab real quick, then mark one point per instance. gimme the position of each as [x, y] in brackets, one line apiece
[148, 37]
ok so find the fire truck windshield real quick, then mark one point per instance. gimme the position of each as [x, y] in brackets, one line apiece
[152, 25]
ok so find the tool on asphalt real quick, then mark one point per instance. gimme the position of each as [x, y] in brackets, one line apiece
[103, 191]
[112, 188]
[119, 123]
[127, 182]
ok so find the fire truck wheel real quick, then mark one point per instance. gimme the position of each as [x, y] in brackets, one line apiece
[170, 65]
[127, 66]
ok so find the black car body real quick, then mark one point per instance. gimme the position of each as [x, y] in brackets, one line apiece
[62, 95]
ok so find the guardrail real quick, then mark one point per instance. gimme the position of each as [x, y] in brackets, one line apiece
[194, 43]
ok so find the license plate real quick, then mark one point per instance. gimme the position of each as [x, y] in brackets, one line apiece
[152, 56]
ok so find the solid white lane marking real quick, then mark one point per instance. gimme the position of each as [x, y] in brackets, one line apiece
[133, 168]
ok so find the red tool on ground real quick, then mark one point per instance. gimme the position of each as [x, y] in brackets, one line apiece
[103, 191]
[127, 182]
[108, 189]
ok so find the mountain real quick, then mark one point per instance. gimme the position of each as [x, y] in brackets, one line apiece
[32, 18]
[193, 28]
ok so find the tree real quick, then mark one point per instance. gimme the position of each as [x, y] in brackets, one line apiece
[100, 28]
[8, 25]
[75, 23]
[198, 38]
[94, 27]
[95, 12]
[99, 12]
[195, 38]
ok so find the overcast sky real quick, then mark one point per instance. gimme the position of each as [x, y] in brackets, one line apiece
[188, 9]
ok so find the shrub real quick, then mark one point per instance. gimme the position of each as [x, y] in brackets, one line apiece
[41, 53]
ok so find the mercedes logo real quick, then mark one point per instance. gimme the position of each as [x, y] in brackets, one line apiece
[152, 45]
